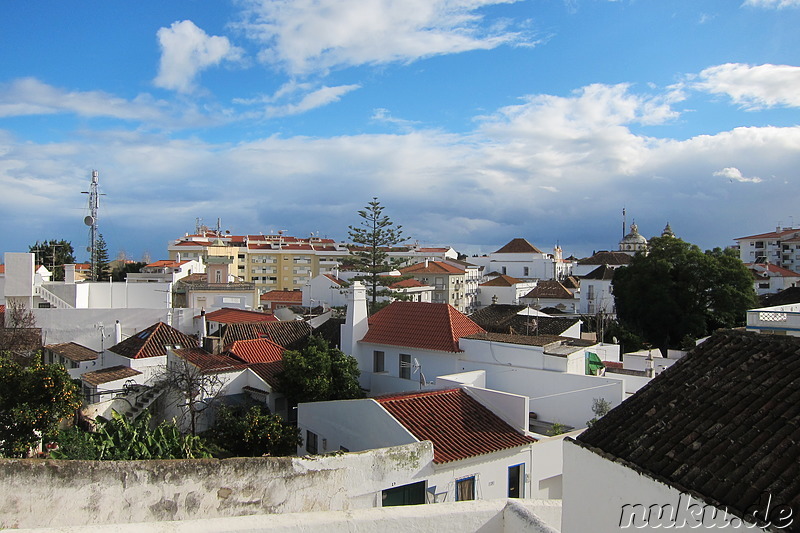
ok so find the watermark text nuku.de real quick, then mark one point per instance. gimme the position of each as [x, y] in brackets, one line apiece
[692, 514]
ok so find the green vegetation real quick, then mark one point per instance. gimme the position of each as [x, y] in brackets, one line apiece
[600, 408]
[54, 254]
[375, 235]
[319, 372]
[102, 268]
[119, 439]
[242, 432]
[33, 400]
[677, 293]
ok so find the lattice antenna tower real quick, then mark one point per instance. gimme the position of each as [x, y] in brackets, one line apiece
[91, 221]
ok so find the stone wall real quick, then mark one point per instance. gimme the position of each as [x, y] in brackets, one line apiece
[49, 493]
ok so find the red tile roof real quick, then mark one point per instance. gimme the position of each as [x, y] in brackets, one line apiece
[107, 375]
[293, 297]
[773, 269]
[211, 363]
[151, 342]
[518, 246]
[256, 351]
[268, 372]
[406, 284]
[501, 281]
[335, 279]
[2, 269]
[227, 315]
[427, 326]
[459, 426]
[550, 289]
[771, 234]
[431, 267]
[73, 351]
[168, 263]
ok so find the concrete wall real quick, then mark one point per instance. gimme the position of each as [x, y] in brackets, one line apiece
[82, 325]
[103, 492]
[590, 505]
[495, 516]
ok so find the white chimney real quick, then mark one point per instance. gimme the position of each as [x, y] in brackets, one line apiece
[117, 332]
[69, 274]
[356, 325]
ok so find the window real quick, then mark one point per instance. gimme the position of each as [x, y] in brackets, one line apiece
[311, 442]
[413, 494]
[590, 292]
[378, 361]
[526, 271]
[405, 366]
[516, 476]
[465, 489]
[503, 270]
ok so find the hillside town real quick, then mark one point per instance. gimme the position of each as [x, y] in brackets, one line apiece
[472, 389]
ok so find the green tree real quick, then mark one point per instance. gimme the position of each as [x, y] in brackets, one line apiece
[121, 272]
[242, 432]
[676, 292]
[374, 237]
[102, 268]
[33, 400]
[54, 254]
[120, 439]
[319, 372]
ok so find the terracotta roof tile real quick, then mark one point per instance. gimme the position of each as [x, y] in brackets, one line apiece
[501, 281]
[73, 351]
[518, 246]
[723, 422]
[107, 375]
[458, 426]
[256, 351]
[407, 284]
[293, 297]
[550, 289]
[603, 272]
[290, 334]
[227, 315]
[500, 318]
[431, 267]
[211, 363]
[268, 372]
[428, 326]
[151, 342]
[771, 234]
[606, 258]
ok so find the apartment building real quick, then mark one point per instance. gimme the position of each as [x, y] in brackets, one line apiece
[780, 247]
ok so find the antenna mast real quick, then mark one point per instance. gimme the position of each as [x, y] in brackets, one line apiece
[91, 221]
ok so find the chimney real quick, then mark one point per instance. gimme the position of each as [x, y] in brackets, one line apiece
[69, 274]
[356, 325]
[203, 326]
[117, 332]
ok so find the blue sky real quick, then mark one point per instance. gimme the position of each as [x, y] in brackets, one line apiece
[473, 121]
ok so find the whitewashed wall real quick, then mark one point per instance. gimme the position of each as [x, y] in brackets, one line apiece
[590, 503]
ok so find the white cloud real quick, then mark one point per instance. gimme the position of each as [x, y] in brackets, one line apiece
[753, 87]
[186, 50]
[310, 35]
[312, 100]
[29, 96]
[775, 4]
[734, 174]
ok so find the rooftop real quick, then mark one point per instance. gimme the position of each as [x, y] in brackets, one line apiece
[722, 423]
[606, 258]
[518, 246]
[459, 426]
[227, 315]
[427, 326]
[256, 350]
[73, 351]
[550, 289]
[151, 342]
[501, 281]
[107, 375]
[431, 267]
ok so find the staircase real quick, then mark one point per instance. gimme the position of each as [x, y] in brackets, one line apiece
[51, 298]
[144, 400]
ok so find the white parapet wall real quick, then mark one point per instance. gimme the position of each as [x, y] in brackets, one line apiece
[486, 516]
[52, 493]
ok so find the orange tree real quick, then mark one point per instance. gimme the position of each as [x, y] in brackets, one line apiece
[33, 400]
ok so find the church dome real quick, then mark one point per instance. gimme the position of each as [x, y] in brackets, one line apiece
[633, 241]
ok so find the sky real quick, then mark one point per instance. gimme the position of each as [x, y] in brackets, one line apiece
[473, 122]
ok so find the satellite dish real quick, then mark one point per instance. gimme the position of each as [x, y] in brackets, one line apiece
[88, 248]
[88, 220]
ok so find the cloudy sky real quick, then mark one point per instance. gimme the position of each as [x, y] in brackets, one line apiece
[472, 121]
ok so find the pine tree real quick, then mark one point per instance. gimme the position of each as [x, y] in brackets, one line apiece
[53, 255]
[374, 237]
[102, 268]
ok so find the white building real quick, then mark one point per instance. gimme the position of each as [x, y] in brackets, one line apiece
[776, 320]
[596, 295]
[481, 446]
[503, 290]
[772, 279]
[688, 452]
[521, 259]
[780, 247]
